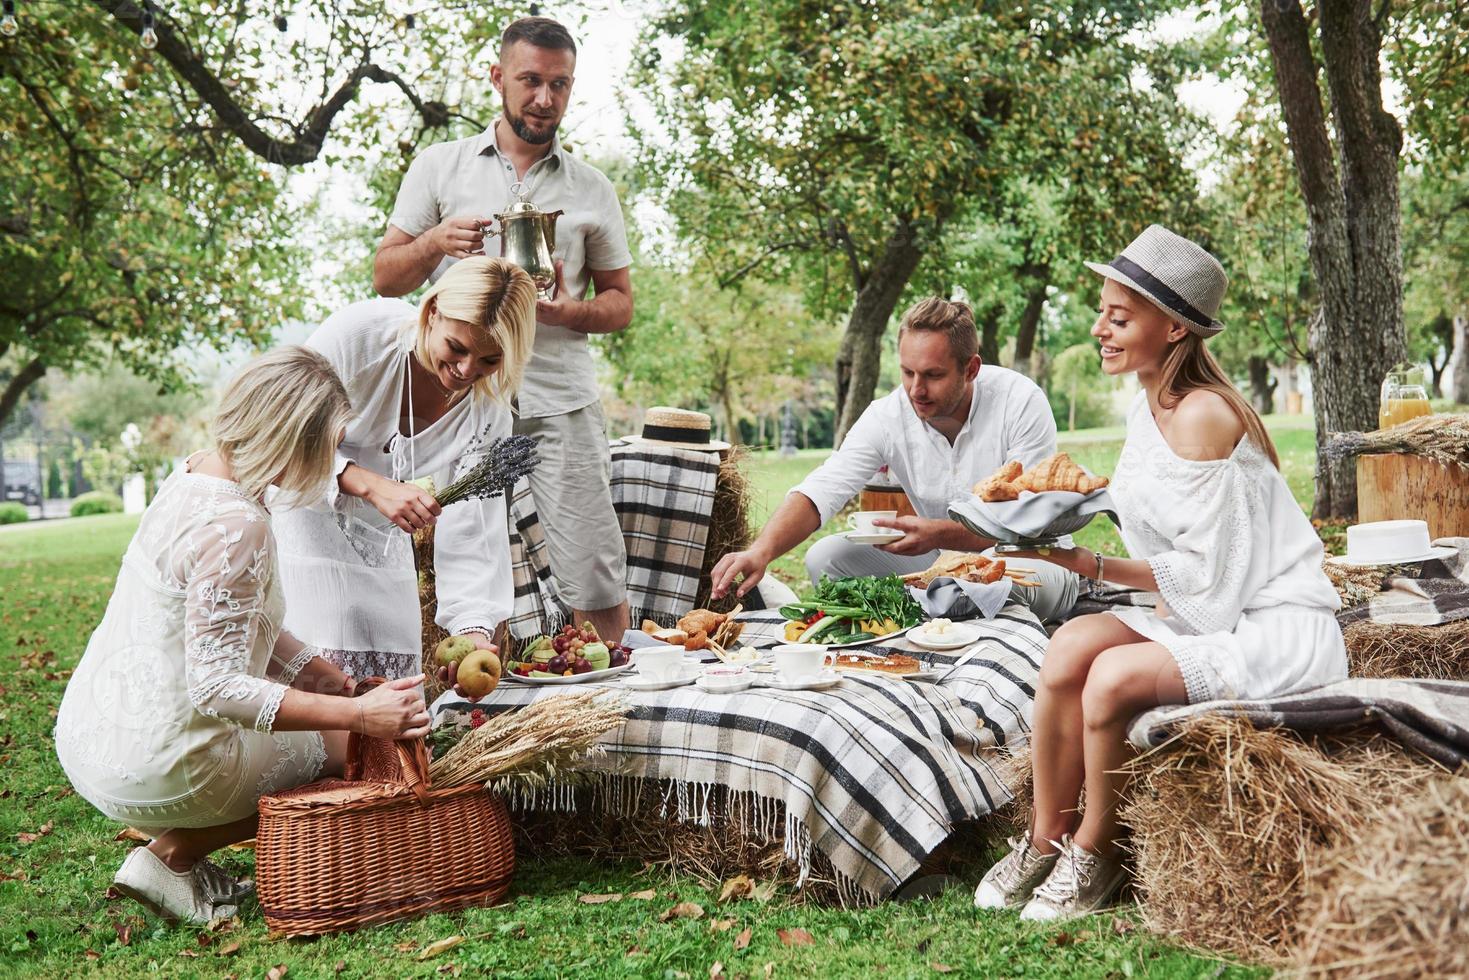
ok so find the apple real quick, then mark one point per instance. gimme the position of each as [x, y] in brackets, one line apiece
[453, 649]
[479, 673]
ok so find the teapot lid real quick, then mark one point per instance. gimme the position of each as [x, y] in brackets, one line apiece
[521, 207]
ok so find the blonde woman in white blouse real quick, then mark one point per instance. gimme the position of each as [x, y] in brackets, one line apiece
[431, 387]
[191, 702]
[1244, 609]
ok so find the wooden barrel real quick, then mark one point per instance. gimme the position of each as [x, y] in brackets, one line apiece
[1396, 486]
[885, 496]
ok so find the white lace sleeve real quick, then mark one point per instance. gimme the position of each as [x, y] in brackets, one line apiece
[289, 657]
[1203, 577]
[224, 613]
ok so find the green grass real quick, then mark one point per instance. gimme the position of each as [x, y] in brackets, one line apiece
[55, 918]
[1096, 449]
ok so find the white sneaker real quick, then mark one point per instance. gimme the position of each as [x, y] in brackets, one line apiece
[1080, 884]
[177, 896]
[1010, 882]
[220, 885]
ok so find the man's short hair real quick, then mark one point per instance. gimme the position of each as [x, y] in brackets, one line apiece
[543, 32]
[953, 320]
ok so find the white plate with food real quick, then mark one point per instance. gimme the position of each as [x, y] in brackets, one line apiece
[586, 678]
[940, 634]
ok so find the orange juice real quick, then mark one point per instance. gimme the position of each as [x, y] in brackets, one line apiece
[1394, 411]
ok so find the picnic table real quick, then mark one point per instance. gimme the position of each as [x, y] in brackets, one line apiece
[873, 773]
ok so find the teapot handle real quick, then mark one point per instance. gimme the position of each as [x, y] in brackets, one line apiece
[484, 228]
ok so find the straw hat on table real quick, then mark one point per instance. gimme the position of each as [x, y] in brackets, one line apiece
[665, 426]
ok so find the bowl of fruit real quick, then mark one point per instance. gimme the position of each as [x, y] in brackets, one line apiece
[575, 655]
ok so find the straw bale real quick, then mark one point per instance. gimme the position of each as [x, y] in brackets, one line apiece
[1231, 826]
[1397, 903]
[729, 524]
[1388, 650]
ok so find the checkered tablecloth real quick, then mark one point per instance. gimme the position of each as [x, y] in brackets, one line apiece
[663, 497]
[873, 773]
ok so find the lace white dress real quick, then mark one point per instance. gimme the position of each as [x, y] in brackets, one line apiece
[1238, 565]
[348, 574]
[167, 721]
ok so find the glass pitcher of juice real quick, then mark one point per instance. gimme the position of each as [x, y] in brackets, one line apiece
[1404, 396]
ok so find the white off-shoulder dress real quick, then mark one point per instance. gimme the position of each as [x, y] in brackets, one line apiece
[349, 578]
[168, 719]
[1250, 613]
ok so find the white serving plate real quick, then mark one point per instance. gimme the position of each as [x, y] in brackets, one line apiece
[958, 635]
[588, 677]
[687, 675]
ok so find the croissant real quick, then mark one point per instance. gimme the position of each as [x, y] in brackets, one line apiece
[1000, 486]
[1059, 472]
[989, 572]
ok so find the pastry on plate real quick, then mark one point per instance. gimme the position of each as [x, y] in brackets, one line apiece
[1056, 473]
[896, 663]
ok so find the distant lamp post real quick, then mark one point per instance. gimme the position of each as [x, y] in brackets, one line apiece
[787, 430]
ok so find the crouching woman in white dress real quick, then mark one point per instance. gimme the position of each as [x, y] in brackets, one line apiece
[190, 702]
[1244, 609]
[431, 387]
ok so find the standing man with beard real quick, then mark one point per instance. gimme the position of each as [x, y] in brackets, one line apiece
[450, 192]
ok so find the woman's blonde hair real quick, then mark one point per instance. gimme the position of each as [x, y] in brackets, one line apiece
[278, 422]
[499, 298]
[1188, 366]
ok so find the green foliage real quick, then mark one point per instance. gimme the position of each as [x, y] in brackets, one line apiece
[13, 513]
[96, 502]
[1079, 391]
[54, 488]
[134, 228]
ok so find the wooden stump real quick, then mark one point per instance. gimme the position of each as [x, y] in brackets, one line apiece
[882, 496]
[1397, 486]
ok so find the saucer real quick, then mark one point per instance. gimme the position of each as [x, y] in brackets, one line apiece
[817, 682]
[959, 635]
[876, 537]
[688, 675]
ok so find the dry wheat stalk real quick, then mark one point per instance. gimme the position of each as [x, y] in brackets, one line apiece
[1444, 438]
[534, 743]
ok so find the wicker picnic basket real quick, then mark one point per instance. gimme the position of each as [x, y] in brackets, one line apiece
[378, 845]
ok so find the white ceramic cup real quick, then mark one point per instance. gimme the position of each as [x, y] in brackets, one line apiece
[796, 662]
[861, 522]
[660, 663]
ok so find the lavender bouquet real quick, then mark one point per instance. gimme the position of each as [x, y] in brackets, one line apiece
[504, 463]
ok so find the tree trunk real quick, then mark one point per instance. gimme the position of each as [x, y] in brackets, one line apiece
[1262, 385]
[1357, 335]
[17, 387]
[861, 350]
[989, 334]
[1030, 320]
[1459, 373]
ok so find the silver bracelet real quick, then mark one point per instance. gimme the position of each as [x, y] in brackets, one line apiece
[1101, 573]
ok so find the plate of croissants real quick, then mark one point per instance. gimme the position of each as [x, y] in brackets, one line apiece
[1034, 506]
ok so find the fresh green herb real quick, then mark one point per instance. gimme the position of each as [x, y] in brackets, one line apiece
[873, 598]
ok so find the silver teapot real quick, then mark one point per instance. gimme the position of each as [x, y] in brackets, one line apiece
[528, 238]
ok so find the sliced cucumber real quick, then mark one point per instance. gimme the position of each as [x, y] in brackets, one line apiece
[823, 625]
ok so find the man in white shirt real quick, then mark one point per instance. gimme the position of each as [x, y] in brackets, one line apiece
[449, 195]
[951, 424]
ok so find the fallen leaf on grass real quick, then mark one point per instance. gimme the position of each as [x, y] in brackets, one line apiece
[721, 925]
[941, 968]
[1123, 926]
[764, 891]
[740, 886]
[716, 972]
[453, 969]
[340, 967]
[743, 939]
[405, 947]
[683, 910]
[191, 954]
[204, 939]
[443, 945]
[112, 894]
[276, 972]
[133, 834]
[92, 954]
[646, 896]
[124, 933]
[795, 937]
[599, 899]
[769, 970]
[26, 838]
[228, 949]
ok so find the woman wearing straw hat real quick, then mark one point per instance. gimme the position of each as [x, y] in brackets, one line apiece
[1245, 610]
[431, 387]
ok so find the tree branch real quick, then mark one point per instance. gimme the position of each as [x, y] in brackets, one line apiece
[28, 376]
[308, 135]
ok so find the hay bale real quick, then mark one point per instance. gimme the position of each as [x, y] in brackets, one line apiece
[1232, 826]
[1396, 904]
[1386, 650]
[729, 524]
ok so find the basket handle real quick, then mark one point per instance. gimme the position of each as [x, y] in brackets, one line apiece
[412, 753]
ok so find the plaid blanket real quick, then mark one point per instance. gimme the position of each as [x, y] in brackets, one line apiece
[873, 773]
[1431, 717]
[1437, 594]
[663, 497]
